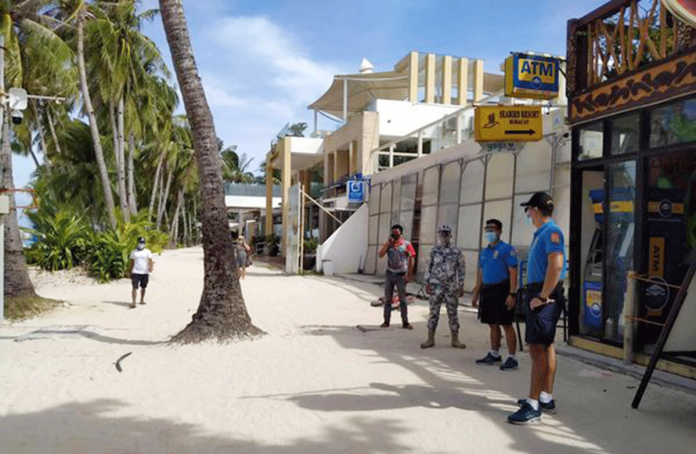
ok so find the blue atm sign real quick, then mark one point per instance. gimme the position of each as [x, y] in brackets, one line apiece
[531, 76]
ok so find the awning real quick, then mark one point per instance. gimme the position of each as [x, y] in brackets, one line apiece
[362, 89]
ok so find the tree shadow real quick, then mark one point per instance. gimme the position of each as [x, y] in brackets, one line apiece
[451, 384]
[99, 427]
[118, 303]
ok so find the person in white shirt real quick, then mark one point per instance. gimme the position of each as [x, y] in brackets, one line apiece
[140, 268]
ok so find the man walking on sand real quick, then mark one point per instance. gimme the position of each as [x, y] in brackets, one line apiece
[544, 301]
[140, 268]
[496, 284]
[400, 255]
[444, 280]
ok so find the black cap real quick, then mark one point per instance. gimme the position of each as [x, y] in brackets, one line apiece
[141, 239]
[539, 200]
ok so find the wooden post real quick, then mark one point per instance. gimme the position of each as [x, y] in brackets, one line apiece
[629, 322]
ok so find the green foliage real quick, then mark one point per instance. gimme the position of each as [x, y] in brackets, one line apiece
[272, 240]
[65, 240]
[108, 255]
[61, 240]
[310, 245]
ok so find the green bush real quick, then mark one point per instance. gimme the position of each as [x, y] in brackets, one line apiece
[65, 240]
[61, 240]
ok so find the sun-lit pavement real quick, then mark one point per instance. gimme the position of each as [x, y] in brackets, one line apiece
[315, 384]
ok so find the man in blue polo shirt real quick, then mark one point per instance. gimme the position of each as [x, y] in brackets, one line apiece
[544, 303]
[496, 284]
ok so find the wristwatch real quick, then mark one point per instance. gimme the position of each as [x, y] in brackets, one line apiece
[542, 299]
[513, 294]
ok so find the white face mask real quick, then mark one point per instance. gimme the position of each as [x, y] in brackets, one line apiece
[490, 237]
[141, 246]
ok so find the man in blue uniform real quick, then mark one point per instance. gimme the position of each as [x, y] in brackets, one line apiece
[496, 284]
[544, 303]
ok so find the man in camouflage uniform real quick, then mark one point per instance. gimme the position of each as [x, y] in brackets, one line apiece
[444, 278]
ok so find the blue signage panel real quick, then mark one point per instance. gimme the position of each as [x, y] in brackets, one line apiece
[356, 191]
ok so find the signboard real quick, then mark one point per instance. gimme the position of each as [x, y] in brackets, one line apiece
[531, 76]
[356, 191]
[501, 147]
[675, 77]
[508, 124]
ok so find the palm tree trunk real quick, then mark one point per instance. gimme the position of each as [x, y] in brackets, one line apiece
[154, 187]
[52, 127]
[42, 138]
[121, 169]
[163, 198]
[174, 228]
[99, 153]
[185, 215]
[114, 134]
[221, 312]
[17, 282]
[132, 202]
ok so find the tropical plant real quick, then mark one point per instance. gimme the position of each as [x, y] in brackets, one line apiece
[221, 313]
[61, 240]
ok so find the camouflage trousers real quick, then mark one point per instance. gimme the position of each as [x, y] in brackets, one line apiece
[451, 303]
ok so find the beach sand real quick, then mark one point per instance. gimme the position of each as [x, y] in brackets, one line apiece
[314, 384]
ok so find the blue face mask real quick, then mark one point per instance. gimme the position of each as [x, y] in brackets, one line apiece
[490, 237]
[530, 221]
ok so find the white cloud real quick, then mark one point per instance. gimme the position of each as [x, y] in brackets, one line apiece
[274, 55]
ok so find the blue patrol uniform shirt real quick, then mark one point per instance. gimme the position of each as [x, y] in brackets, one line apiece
[547, 239]
[494, 262]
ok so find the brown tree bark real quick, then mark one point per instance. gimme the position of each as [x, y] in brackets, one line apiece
[17, 282]
[94, 129]
[155, 185]
[221, 312]
[132, 202]
[121, 169]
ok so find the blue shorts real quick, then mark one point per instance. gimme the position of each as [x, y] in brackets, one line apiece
[541, 323]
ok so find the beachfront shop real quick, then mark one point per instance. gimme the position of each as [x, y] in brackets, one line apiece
[632, 107]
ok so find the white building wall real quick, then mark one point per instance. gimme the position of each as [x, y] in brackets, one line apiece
[346, 248]
[460, 187]
[398, 118]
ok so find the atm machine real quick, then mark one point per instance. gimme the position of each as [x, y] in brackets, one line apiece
[619, 238]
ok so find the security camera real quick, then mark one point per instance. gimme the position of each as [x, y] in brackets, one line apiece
[17, 117]
[566, 135]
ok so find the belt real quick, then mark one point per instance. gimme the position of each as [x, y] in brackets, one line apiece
[537, 286]
[397, 273]
[495, 286]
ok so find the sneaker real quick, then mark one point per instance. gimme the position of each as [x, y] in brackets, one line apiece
[489, 359]
[407, 326]
[132, 306]
[384, 325]
[547, 408]
[525, 415]
[509, 364]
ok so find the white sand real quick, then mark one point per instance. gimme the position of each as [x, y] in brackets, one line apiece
[314, 384]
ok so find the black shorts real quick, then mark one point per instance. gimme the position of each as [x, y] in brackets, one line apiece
[141, 279]
[492, 307]
[541, 323]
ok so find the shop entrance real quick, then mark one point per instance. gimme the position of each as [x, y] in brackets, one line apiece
[671, 233]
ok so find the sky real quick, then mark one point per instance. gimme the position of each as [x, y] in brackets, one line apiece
[262, 62]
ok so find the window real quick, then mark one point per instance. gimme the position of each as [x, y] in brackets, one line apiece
[625, 134]
[591, 141]
[674, 123]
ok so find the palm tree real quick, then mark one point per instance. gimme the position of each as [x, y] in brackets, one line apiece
[221, 313]
[78, 11]
[19, 22]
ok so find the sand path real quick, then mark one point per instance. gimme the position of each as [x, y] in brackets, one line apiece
[314, 384]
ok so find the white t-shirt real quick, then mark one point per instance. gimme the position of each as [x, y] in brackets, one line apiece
[141, 261]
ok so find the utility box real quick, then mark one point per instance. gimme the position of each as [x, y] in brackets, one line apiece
[4, 204]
